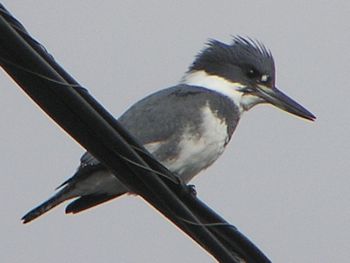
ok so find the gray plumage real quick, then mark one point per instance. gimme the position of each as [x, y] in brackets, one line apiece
[185, 127]
[162, 117]
[243, 61]
[152, 123]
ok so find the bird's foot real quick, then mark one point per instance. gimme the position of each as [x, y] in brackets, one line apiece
[191, 188]
[187, 189]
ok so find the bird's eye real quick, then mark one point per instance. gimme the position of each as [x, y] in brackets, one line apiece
[252, 73]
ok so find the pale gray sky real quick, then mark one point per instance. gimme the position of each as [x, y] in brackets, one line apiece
[283, 182]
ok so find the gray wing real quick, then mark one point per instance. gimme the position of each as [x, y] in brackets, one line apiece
[157, 120]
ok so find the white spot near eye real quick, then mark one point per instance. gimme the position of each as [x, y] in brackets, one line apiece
[264, 78]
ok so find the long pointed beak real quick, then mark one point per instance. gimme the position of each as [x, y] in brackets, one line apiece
[282, 101]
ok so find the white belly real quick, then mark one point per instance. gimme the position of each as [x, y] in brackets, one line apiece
[198, 151]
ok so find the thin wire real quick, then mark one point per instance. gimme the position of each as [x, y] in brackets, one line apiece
[146, 168]
[40, 75]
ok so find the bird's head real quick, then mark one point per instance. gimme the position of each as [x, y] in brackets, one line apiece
[245, 72]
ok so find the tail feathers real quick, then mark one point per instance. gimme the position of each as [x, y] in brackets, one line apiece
[44, 207]
[88, 201]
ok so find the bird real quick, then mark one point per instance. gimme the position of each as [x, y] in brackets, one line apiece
[188, 126]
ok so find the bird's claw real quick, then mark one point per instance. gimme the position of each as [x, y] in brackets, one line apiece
[191, 188]
[188, 189]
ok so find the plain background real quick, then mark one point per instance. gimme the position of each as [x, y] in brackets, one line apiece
[284, 182]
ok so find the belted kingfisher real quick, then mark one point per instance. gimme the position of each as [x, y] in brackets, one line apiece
[186, 127]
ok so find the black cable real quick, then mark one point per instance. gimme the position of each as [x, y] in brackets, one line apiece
[76, 111]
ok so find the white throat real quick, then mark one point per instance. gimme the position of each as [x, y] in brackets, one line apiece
[223, 86]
